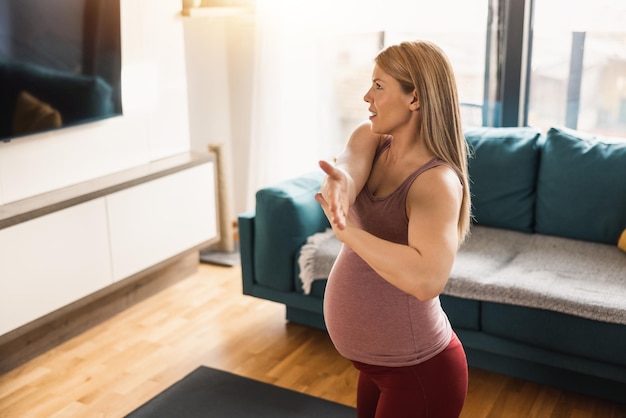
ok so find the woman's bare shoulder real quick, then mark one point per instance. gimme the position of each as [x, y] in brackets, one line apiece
[440, 182]
[362, 136]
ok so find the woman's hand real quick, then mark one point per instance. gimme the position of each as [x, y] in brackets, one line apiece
[348, 176]
[340, 233]
[334, 195]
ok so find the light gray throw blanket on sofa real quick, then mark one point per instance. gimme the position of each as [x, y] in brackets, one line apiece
[564, 275]
[317, 257]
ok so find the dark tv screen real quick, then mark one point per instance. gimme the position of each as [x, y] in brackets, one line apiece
[60, 64]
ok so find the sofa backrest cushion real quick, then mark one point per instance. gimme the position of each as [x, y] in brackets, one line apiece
[581, 190]
[503, 167]
[286, 215]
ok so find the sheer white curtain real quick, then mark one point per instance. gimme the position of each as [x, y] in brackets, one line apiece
[294, 115]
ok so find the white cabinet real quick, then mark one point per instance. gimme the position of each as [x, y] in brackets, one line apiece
[102, 232]
[153, 221]
[51, 261]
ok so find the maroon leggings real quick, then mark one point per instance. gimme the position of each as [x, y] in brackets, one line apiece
[433, 389]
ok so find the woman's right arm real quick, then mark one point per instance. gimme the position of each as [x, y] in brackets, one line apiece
[345, 179]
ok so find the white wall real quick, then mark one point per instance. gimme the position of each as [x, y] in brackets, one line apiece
[241, 50]
[220, 61]
[154, 125]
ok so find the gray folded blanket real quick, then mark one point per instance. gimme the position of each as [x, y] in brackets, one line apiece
[564, 275]
[317, 257]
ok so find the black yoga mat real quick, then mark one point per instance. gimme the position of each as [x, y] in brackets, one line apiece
[207, 392]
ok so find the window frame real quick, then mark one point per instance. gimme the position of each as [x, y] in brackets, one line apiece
[508, 55]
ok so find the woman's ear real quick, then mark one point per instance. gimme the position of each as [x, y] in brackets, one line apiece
[415, 103]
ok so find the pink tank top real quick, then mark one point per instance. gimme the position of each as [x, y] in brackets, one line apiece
[368, 319]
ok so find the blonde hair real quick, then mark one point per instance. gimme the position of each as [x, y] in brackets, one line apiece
[424, 67]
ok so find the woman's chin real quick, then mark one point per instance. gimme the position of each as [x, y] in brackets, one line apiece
[374, 127]
[378, 131]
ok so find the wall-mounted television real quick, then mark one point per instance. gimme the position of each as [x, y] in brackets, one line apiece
[60, 64]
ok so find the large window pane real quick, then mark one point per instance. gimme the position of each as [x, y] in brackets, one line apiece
[578, 66]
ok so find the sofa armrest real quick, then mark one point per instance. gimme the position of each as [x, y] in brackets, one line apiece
[286, 215]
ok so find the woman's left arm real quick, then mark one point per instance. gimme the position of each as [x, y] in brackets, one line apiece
[422, 267]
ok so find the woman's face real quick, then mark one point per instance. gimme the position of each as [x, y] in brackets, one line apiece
[389, 105]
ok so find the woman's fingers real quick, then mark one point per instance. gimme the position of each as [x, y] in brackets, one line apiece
[332, 194]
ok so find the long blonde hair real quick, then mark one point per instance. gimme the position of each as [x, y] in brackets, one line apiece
[424, 67]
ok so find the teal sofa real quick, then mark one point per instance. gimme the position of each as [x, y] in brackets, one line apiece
[538, 291]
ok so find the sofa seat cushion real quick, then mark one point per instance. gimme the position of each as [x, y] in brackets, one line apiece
[574, 277]
[581, 188]
[556, 331]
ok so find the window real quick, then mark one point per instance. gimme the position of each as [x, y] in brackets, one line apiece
[578, 66]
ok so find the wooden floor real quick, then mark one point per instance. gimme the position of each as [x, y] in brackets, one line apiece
[205, 320]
